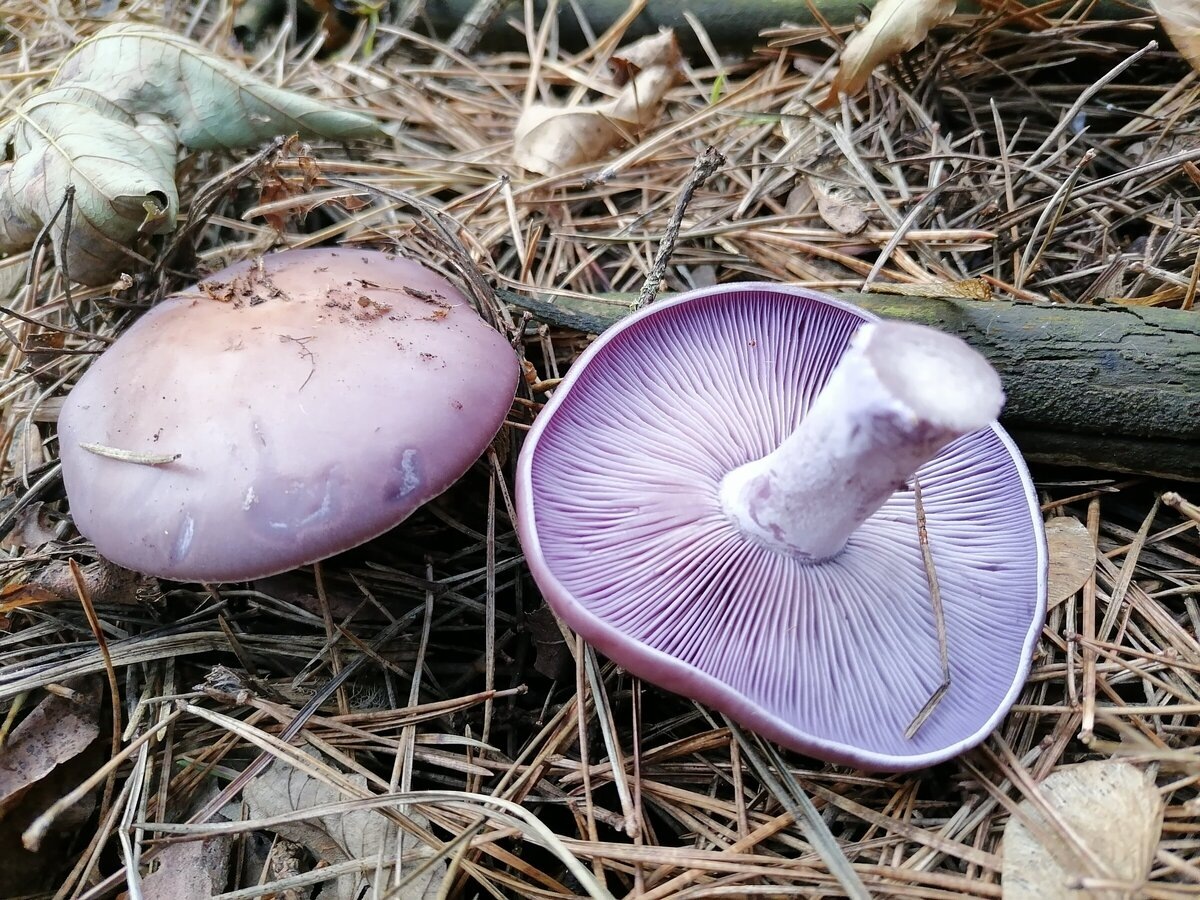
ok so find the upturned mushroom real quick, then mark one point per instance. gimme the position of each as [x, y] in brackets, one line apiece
[279, 412]
[720, 497]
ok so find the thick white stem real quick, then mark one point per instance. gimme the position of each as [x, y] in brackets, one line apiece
[899, 394]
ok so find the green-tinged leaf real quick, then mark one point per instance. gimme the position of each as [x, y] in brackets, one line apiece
[110, 124]
[213, 103]
[115, 167]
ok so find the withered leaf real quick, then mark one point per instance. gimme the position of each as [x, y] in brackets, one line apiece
[1181, 21]
[57, 730]
[552, 139]
[360, 834]
[1072, 557]
[1116, 813]
[894, 27]
[839, 207]
[110, 123]
[193, 870]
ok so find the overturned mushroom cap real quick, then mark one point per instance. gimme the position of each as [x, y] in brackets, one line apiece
[652, 530]
[276, 414]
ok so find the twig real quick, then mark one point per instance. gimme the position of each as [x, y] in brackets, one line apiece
[939, 618]
[706, 164]
[44, 239]
[471, 30]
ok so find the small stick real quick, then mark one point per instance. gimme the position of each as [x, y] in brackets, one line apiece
[706, 164]
[939, 618]
[68, 211]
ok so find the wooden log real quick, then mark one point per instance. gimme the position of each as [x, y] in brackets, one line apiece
[732, 24]
[1109, 387]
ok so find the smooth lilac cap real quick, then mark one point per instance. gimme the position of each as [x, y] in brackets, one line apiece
[314, 404]
[619, 515]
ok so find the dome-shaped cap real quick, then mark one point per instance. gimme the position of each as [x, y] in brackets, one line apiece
[621, 517]
[314, 402]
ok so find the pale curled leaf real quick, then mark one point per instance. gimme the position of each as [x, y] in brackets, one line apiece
[895, 26]
[552, 139]
[1113, 809]
[110, 124]
[1072, 557]
[1181, 21]
[359, 834]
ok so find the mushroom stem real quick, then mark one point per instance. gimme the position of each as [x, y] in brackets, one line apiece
[900, 393]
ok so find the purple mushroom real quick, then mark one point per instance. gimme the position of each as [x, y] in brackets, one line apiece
[717, 497]
[280, 412]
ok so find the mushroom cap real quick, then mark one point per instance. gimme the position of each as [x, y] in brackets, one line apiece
[315, 401]
[617, 497]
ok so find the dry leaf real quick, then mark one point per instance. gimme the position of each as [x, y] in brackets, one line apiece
[551, 139]
[830, 182]
[895, 26]
[193, 870]
[111, 122]
[360, 834]
[838, 207]
[45, 757]
[1181, 21]
[1072, 557]
[56, 731]
[1116, 812]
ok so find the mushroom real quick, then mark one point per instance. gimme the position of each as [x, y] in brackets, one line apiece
[717, 497]
[280, 411]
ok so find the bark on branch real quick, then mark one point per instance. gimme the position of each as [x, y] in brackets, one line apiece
[1109, 387]
[732, 24]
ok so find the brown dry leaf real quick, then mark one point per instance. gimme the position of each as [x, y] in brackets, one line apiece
[1181, 21]
[552, 139]
[1116, 812]
[895, 26]
[56, 731]
[1072, 557]
[829, 181]
[360, 834]
[193, 870]
[838, 207]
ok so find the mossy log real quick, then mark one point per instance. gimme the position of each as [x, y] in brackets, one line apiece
[732, 24]
[1108, 387]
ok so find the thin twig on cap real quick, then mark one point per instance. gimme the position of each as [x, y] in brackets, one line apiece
[129, 456]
